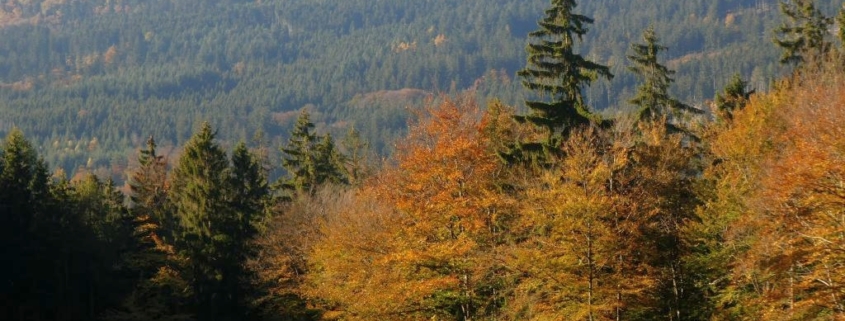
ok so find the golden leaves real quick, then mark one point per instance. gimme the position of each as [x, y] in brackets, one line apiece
[781, 185]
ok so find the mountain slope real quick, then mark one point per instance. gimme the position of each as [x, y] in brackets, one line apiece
[88, 80]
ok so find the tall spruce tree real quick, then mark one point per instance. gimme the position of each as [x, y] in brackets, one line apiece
[31, 233]
[250, 190]
[652, 98]
[310, 160]
[356, 156]
[159, 292]
[199, 196]
[148, 186]
[557, 72]
[298, 159]
[329, 162]
[803, 37]
[249, 196]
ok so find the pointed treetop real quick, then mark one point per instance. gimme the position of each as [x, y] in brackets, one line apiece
[735, 96]
[804, 36]
[555, 71]
[652, 97]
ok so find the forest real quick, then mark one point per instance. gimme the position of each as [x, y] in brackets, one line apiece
[89, 80]
[539, 206]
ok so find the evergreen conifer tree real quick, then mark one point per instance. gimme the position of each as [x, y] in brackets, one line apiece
[298, 159]
[652, 98]
[202, 237]
[148, 184]
[310, 160]
[249, 195]
[804, 36]
[40, 238]
[735, 96]
[555, 70]
[355, 161]
[329, 162]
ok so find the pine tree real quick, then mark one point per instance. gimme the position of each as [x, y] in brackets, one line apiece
[310, 160]
[159, 292]
[555, 70]
[199, 198]
[803, 37]
[149, 186]
[735, 96]
[249, 196]
[356, 161]
[298, 159]
[652, 98]
[329, 162]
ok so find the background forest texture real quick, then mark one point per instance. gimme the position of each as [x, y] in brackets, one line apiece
[88, 81]
[429, 160]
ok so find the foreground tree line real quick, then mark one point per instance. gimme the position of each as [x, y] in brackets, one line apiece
[631, 222]
[672, 212]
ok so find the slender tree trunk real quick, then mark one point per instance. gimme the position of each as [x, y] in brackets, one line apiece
[791, 289]
[590, 267]
[676, 291]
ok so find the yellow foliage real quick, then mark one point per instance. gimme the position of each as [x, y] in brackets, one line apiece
[780, 183]
[577, 260]
[418, 232]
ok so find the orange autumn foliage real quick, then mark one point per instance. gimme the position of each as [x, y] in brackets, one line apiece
[782, 187]
[424, 243]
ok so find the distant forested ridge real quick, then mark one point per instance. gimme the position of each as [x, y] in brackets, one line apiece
[493, 203]
[90, 80]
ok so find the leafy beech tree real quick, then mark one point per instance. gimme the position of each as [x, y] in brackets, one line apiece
[579, 258]
[556, 71]
[803, 37]
[444, 184]
[652, 98]
[736, 95]
[778, 205]
[425, 248]
[662, 180]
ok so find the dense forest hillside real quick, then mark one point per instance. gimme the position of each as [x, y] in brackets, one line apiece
[89, 80]
[489, 206]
